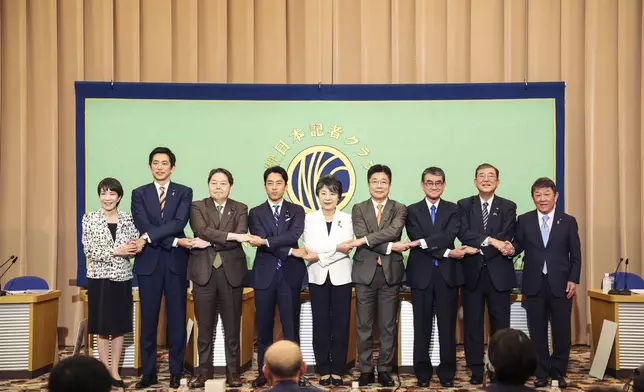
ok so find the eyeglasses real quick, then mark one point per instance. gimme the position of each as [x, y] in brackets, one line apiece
[431, 184]
[376, 183]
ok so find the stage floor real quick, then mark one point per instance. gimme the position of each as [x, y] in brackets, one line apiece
[578, 377]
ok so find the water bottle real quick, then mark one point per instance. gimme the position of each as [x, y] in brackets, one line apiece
[554, 387]
[606, 283]
[355, 387]
[183, 386]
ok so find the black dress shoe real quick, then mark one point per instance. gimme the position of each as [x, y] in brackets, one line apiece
[146, 382]
[563, 384]
[423, 382]
[118, 383]
[325, 380]
[540, 382]
[260, 381]
[233, 380]
[476, 379]
[175, 381]
[366, 379]
[385, 379]
[199, 382]
[336, 380]
[447, 384]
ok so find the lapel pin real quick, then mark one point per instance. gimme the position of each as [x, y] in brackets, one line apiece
[173, 191]
[494, 214]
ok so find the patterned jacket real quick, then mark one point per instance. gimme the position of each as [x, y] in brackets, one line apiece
[99, 246]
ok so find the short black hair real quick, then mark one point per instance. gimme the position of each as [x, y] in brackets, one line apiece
[330, 182]
[485, 166]
[433, 170]
[543, 182]
[378, 168]
[163, 150]
[513, 356]
[276, 169]
[110, 184]
[79, 373]
[228, 174]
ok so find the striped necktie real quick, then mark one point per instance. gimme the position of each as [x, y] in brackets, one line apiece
[485, 216]
[162, 199]
[276, 218]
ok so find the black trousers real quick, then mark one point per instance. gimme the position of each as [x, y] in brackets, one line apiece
[440, 299]
[218, 297]
[331, 308]
[474, 301]
[540, 308]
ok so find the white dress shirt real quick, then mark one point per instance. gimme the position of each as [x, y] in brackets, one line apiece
[489, 207]
[375, 208]
[165, 189]
[272, 205]
[423, 244]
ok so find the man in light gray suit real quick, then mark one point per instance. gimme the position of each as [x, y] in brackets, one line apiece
[217, 267]
[377, 273]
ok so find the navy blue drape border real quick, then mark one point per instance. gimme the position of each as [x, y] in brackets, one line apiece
[306, 92]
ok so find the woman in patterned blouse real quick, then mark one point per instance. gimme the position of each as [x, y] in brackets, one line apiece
[109, 238]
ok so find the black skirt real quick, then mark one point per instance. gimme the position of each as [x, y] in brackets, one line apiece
[109, 307]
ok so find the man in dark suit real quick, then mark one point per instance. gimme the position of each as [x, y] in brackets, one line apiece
[551, 269]
[160, 211]
[434, 275]
[487, 221]
[275, 227]
[377, 273]
[217, 267]
[284, 366]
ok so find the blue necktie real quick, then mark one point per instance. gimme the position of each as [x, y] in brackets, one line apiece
[276, 218]
[545, 233]
[433, 211]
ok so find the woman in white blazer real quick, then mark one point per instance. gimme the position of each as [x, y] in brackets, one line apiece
[326, 234]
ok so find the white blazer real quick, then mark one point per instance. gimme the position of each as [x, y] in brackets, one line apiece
[317, 239]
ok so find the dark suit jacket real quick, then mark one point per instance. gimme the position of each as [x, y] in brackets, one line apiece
[563, 252]
[365, 259]
[288, 386]
[205, 223]
[500, 225]
[280, 239]
[439, 237]
[146, 212]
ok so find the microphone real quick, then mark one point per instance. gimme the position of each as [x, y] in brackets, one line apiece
[8, 260]
[615, 290]
[2, 292]
[625, 290]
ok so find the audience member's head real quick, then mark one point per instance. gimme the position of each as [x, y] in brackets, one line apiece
[513, 356]
[638, 379]
[283, 362]
[79, 373]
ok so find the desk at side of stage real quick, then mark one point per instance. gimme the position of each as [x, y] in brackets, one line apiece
[28, 328]
[628, 312]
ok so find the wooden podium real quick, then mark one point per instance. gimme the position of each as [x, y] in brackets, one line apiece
[628, 312]
[28, 328]
[246, 338]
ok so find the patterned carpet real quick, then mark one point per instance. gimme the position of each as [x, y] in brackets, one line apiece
[578, 377]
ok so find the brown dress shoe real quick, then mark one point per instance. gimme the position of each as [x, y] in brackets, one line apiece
[200, 382]
[233, 380]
